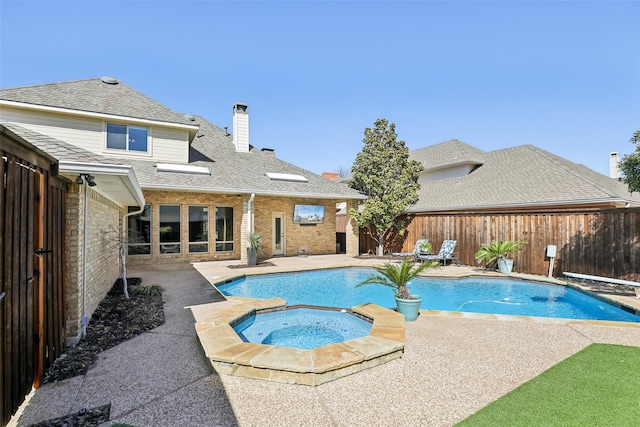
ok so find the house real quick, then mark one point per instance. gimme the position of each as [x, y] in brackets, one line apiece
[523, 193]
[180, 188]
[459, 177]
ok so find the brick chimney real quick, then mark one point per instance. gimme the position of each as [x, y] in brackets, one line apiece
[241, 127]
[614, 167]
[330, 175]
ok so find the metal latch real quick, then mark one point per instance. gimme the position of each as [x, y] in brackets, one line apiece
[43, 251]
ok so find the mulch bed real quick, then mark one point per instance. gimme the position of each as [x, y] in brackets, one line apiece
[84, 417]
[115, 320]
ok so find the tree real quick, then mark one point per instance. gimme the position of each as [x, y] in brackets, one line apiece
[343, 171]
[383, 171]
[113, 239]
[630, 165]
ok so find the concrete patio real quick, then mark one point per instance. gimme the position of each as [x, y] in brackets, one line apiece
[452, 366]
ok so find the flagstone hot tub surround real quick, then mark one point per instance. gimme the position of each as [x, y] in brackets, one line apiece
[228, 354]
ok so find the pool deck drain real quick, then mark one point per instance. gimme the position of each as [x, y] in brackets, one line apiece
[229, 354]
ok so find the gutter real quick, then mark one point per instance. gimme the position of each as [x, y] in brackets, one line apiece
[252, 191]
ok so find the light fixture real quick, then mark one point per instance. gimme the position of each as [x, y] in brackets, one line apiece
[91, 180]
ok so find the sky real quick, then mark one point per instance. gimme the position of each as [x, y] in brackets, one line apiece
[563, 76]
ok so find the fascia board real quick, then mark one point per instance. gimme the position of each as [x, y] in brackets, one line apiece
[252, 191]
[192, 128]
[523, 205]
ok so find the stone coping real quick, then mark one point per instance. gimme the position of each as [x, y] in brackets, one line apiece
[228, 354]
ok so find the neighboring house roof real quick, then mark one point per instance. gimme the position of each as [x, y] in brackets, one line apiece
[116, 181]
[446, 154]
[236, 172]
[520, 177]
[95, 96]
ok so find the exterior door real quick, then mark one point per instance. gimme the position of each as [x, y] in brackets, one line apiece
[278, 234]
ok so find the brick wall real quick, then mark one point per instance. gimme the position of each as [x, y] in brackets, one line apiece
[185, 199]
[319, 238]
[102, 262]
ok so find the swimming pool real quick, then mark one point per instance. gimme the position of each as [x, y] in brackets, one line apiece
[337, 288]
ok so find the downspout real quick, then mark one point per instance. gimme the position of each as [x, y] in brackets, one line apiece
[250, 213]
[121, 249]
[84, 321]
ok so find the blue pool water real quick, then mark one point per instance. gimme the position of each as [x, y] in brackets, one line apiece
[302, 328]
[337, 288]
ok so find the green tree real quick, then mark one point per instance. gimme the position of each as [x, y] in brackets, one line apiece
[630, 165]
[383, 171]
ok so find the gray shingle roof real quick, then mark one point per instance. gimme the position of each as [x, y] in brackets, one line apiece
[57, 149]
[234, 172]
[521, 176]
[231, 172]
[447, 153]
[93, 95]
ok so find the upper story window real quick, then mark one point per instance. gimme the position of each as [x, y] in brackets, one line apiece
[130, 138]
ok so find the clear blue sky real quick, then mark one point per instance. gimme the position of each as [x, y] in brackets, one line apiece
[564, 76]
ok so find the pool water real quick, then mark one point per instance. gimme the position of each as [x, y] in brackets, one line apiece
[302, 328]
[337, 288]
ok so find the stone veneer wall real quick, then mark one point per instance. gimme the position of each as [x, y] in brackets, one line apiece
[319, 239]
[103, 264]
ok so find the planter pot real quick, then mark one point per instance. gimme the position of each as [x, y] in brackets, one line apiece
[252, 256]
[409, 307]
[505, 265]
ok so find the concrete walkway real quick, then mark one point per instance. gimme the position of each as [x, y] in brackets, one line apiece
[452, 366]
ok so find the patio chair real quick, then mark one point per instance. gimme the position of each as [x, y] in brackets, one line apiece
[445, 254]
[415, 252]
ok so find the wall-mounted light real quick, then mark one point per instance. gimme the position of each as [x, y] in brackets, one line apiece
[90, 180]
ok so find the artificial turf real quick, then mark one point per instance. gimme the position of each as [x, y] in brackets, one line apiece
[598, 386]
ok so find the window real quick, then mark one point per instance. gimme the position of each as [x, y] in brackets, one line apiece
[224, 229]
[139, 232]
[130, 138]
[169, 229]
[198, 229]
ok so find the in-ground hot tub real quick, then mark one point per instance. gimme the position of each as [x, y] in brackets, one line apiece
[303, 328]
[230, 354]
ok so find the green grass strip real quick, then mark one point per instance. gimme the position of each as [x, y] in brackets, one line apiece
[598, 386]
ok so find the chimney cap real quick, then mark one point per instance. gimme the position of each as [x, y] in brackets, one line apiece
[240, 107]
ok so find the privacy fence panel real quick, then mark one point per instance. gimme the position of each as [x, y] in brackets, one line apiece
[601, 243]
[32, 312]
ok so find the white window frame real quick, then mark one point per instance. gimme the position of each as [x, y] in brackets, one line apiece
[127, 150]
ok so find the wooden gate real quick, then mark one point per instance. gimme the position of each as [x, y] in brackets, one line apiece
[32, 315]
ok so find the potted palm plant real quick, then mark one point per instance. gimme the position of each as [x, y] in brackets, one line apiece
[397, 276]
[497, 253]
[255, 245]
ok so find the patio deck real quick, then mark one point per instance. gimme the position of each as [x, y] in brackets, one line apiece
[451, 366]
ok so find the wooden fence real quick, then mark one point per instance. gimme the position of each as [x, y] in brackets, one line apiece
[601, 243]
[32, 313]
